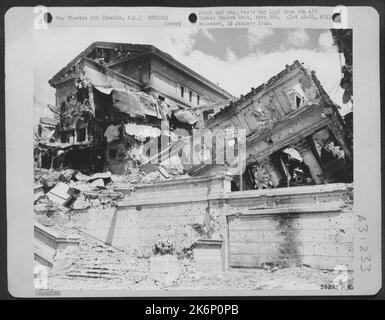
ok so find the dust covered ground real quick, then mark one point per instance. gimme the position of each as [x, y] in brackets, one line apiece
[97, 266]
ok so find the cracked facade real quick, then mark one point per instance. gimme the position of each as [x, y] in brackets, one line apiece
[287, 206]
[293, 131]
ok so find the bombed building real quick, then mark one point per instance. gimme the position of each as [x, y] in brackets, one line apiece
[294, 133]
[113, 97]
[153, 158]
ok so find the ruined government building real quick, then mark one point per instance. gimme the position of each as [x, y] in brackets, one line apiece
[290, 204]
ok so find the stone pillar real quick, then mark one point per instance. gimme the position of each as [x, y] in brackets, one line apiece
[305, 149]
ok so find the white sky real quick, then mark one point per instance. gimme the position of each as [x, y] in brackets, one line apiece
[236, 60]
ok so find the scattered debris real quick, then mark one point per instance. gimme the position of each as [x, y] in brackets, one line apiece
[96, 265]
[72, 190]
[98, 183]
[67, 175]
[60, 194]
[164, 247]
[97, 154]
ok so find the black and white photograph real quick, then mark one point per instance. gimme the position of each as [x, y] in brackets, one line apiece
[213, 157]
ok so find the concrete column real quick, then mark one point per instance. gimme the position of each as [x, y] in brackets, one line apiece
[40, 160]
[305, 149]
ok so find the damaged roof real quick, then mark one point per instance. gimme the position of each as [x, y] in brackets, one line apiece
[255, 91]
[141, 49]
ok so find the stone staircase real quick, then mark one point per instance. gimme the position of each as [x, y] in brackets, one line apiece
[97, 260]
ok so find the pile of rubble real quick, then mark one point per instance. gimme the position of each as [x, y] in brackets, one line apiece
[67, 190]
